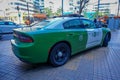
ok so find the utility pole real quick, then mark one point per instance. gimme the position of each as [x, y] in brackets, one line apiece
[118, 7]
[98, 7]
[28, 11]
[62, 7]
[19, 15]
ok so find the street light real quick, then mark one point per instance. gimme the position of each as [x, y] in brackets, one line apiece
[18, 9]
[98, 7]
[62, 7]
[28, 11]
[118, 7]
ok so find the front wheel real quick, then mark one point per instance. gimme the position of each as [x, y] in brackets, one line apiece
[59, 54]
[0, 36]
[106, 40]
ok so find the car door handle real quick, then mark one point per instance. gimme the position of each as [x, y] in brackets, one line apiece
[70, 34]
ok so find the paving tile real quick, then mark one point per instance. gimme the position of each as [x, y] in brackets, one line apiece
[100, 63]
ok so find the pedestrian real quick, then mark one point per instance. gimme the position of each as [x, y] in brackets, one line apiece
[116, 23]
[119, 22]
[111, 23]
[27, 22]
[95, 20]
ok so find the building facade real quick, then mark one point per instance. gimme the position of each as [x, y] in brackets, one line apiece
[105, 8]
[74, 6]
[41, 3]
[38, 6]
[19, 10]
[71, 6]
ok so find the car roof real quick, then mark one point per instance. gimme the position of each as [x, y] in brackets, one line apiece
[67, 18]
[59, 21]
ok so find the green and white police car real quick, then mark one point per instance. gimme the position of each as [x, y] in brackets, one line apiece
[56, 40]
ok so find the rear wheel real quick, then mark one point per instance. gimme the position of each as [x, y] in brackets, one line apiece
[59, 54]
[106, 40]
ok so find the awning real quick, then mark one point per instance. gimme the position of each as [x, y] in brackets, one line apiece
[42, 16]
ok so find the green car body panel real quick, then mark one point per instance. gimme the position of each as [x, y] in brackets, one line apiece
[45, 39]
[38, 51]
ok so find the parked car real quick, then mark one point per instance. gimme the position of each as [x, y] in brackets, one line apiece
[8, 26]
[55, 40]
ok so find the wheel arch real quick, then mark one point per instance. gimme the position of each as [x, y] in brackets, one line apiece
[109, 35]
[66, 42]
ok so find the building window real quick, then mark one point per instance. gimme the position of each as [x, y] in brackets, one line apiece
[71, 8]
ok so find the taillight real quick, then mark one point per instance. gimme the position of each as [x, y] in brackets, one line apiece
[23, 38]
[26, 39]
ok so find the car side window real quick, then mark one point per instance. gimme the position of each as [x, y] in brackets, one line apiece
[88, 24]
[11, 23]
[73, 24]
[2, 23]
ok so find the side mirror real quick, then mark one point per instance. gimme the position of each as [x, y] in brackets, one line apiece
[104, 25]
[98, 25]
[86, 25]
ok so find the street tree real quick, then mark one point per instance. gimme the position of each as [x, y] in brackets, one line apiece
[48, 12]
[59, 11]
[82, 4]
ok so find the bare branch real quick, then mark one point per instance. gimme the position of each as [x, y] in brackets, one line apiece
[82, 5]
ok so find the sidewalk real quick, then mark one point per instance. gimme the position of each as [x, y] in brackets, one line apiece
[101, 63]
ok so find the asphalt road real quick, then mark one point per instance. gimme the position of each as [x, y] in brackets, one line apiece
[6, 37]
[100, 63]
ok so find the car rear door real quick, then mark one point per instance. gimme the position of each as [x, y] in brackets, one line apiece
[94, 34]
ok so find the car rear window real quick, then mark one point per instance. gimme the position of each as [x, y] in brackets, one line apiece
[43, 23]
[46, 23]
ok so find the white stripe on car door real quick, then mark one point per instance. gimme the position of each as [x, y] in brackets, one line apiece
[94, 37]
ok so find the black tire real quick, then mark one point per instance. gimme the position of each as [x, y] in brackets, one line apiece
[0, 37]
[106, 40]
[59, 54]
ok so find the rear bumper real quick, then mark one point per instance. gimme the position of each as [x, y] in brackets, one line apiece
[26, 53]
[17, 52]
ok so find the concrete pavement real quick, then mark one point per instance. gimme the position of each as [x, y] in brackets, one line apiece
[100, 63]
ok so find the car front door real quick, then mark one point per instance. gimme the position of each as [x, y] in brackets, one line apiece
[94, 34]
[76, 34]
